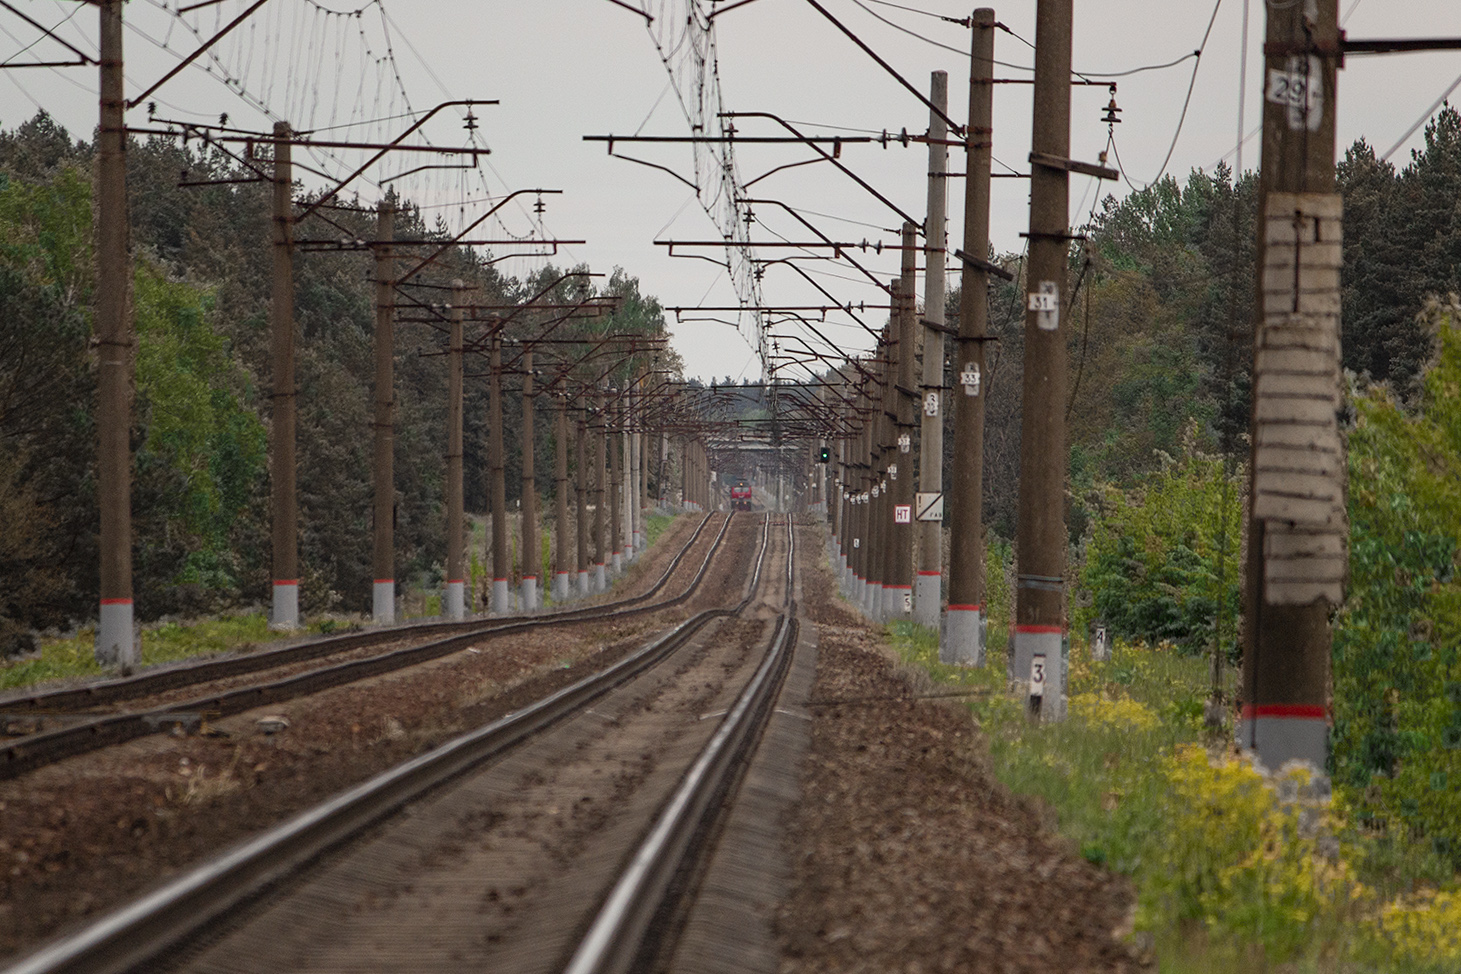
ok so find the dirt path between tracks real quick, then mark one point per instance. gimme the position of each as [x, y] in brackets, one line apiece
[909, 855]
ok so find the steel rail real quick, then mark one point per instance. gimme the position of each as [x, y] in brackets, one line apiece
[616, 940]
[39, 750]
[173, 678]
[127, 938]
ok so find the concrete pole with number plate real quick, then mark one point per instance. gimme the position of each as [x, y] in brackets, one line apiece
[903, 426]
[1040, 536]
[961, 641]
[1297, 528]
[928, 585]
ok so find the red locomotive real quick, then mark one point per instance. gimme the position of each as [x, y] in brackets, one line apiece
[741, 496]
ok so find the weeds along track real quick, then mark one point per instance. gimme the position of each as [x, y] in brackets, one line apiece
[154, 703]
[552, 839]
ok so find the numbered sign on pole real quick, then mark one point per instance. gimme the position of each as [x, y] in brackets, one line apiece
[1037, 675]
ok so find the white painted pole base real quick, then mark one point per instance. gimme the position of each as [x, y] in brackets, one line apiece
[116, 643]
[962, 641]
[601, 579]
[530, 594]
[455, 604]
[873, 605]
[562, 584]
[585, 584]
[1047, 642]
[1280, 733]
[897, 602]
[285, 613]
[927, 598]
[616, 564]
[501, 597]
[383, 602]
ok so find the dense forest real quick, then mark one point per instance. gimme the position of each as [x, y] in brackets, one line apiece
[201, 303]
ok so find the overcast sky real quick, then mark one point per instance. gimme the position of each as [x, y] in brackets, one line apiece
[563, 69]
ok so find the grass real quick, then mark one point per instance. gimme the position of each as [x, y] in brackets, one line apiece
[1228, 881]
[656, 525]
[163, 642]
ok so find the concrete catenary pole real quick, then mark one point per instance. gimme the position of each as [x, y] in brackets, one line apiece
[563, 567]
[282, 434]
[115, 643]
[1296, 530]
[455, 604]
[928, 590]
[616, 493]
[532, 557]
[898, 585]
[501, 594]
[601, 480]
[383, 588]
[636, 470]
[1040, 536]
[581, 459]
[962, 638]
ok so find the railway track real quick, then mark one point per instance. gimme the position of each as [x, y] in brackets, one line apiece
[611, 871]
[83, 732]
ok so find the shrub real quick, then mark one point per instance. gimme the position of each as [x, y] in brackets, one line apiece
[1164, 557]
[1397, 677]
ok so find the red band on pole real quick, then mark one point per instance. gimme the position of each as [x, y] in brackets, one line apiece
[1299, 711]
[965, 608]
[286, 581]
[116, 601]
[385, 581]
[456, 581]
[1040, 630]
[930, 574]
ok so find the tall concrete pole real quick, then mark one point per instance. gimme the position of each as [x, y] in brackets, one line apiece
[601, 492]
[898, 585]
[455, 606]
[928, 591]
[962, 638]
[581, 458]
[616, 494]
[282, 428]
[115, 643]
[563, 568]
[532, 557]
[501, 571]
[383, 589]
[1041, 534]
[877, 465]
[1297, 530]
[634, 438]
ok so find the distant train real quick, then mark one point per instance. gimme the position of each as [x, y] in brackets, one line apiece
[741, 496]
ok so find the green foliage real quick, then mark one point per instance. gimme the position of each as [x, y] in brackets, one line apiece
[74, 656]
[1163, 558]
[656, 525]
[196, 422]
[1397, 678]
